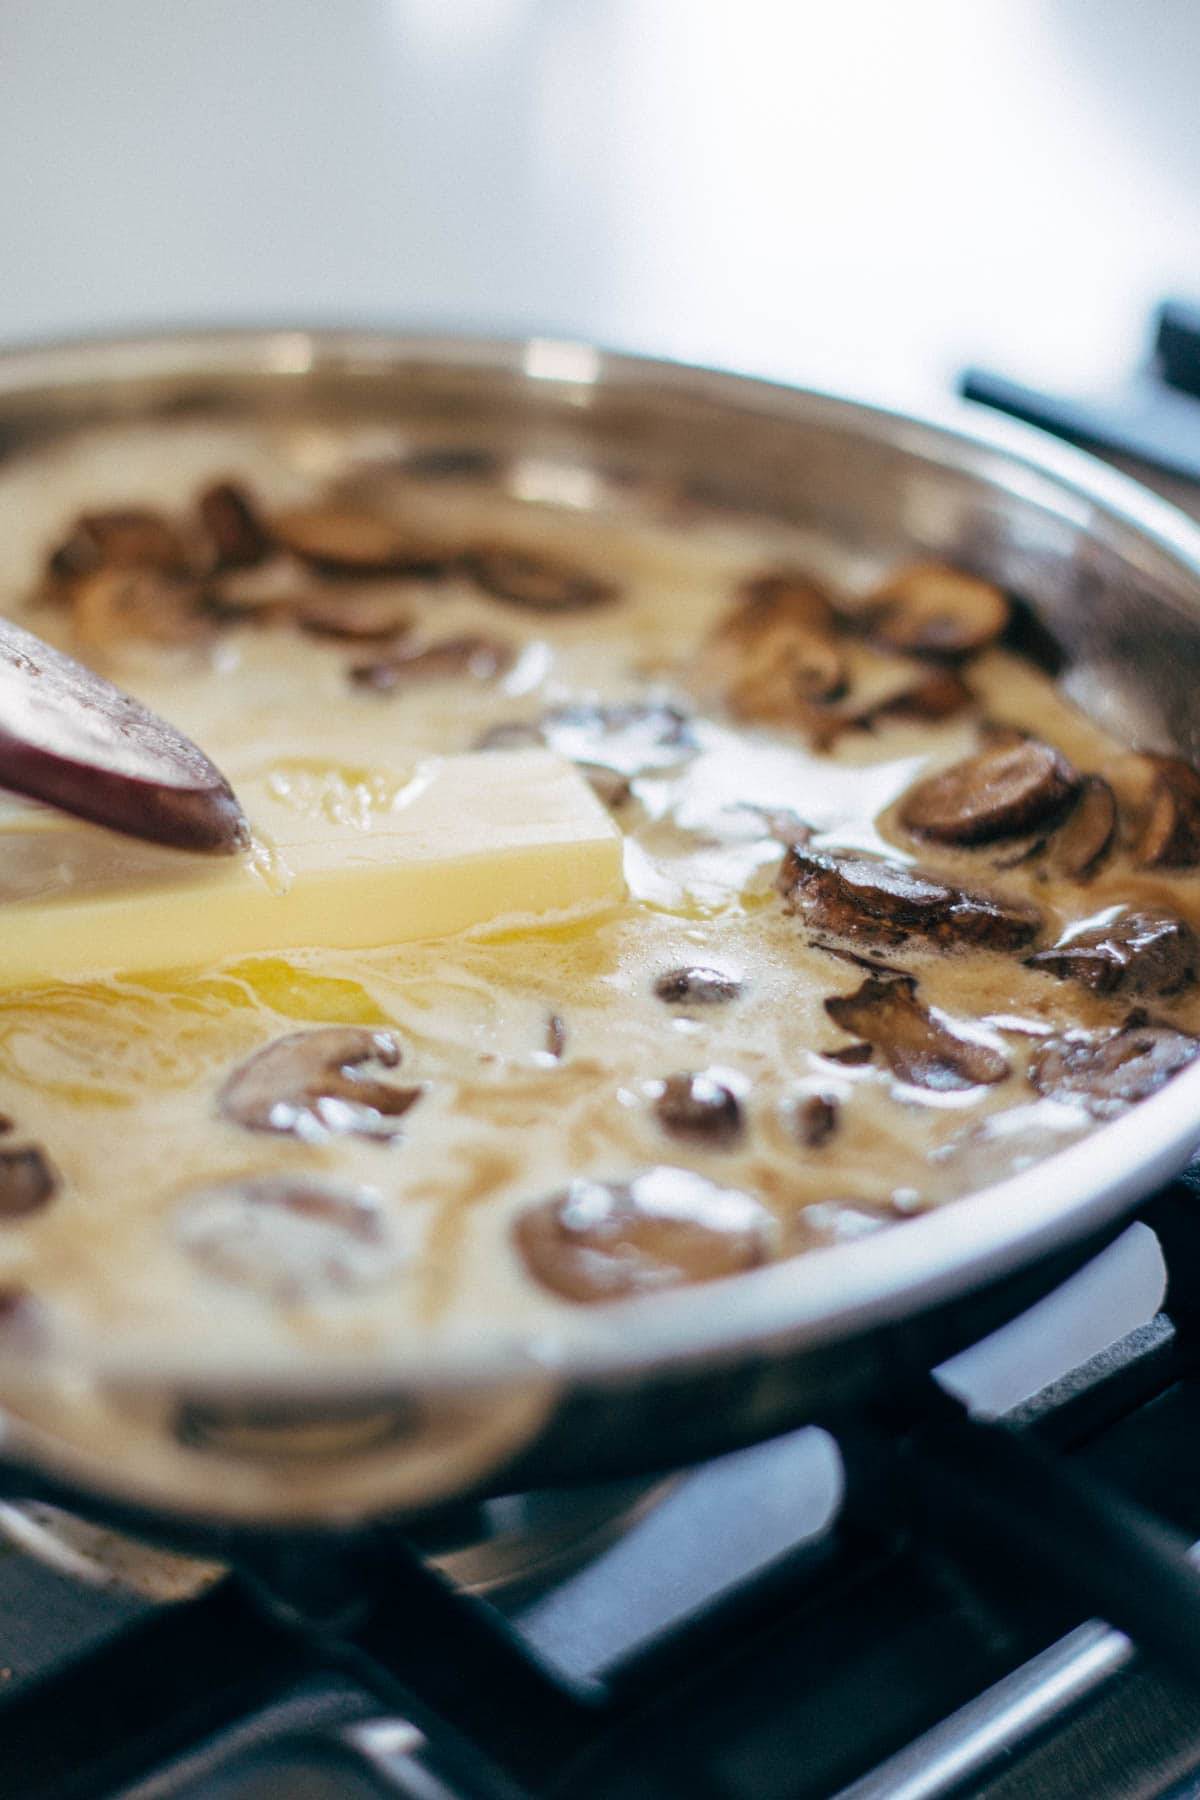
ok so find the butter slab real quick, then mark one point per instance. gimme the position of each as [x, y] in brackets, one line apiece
[343, 858]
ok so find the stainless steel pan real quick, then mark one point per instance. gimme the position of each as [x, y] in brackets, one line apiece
[1114, 572]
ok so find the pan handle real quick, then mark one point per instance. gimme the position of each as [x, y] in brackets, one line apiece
[992, 1493]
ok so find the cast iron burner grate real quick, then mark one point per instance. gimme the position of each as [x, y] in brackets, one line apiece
[749, 1637]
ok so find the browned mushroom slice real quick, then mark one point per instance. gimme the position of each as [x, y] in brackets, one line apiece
[353, 617]
[813, 1118]
[266, 593]
[934, 693]
[314, 1085]
[918, 1045]
[699, 1107]
[1149, 952]
[28, 1182]
[696, 986]
[233, 524]
[665, 1228]
[538, 583]
[1000, 793]
[1089, 832]
[867, 897]
[776, 652]
[288, 1237]
[630, 737]
[784, 593]
[341, 540]
[1171, 838]
[850, 1056]
[121, 538]
[931, 609]
[556, 1036]
[114, 605]
[1110, 1070]
[445, 659]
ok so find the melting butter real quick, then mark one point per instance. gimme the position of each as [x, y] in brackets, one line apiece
[336, 864]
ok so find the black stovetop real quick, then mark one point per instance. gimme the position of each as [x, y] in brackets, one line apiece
[746, 1638]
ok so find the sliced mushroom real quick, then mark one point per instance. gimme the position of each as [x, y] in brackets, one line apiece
[266, 593]
[699, 1107]
[1025, 850]
[665, 1228]
[868, 897]
[1000, 793]
[314, 1085]
[288, 1237]
[851, 1056]
[697, 986]
[1089, 832]
[343, 540]
[813, 1118]
[233, 524]
[776, 652]
[628, 737]
[918, 1044]
[1110, 1070]
[1150, 952]
[28, 1182]
[353, 617]
[129, 537]
[1171, 837]
[538, 583]
[516, 734]
[931, 609]
[556, 1036]
[114, 605]
[934, 693]
[445, 659]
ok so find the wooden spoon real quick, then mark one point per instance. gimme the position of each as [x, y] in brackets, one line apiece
[73, 740]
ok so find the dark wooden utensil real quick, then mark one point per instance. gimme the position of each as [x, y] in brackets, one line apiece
[73, 740]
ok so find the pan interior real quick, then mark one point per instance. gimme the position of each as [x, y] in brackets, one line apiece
[691, 469]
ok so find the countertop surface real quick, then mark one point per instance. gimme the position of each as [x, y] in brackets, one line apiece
[862, 196]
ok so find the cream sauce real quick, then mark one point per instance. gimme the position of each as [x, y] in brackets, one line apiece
[117, 1078]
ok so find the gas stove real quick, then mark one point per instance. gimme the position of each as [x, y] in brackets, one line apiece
[795, 1620]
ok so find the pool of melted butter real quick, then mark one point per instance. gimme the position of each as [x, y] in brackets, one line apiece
[117, 1077]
